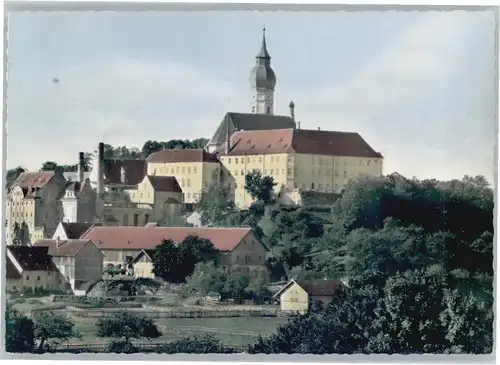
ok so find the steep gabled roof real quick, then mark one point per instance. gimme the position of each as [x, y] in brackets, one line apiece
[234, 122]
[135, 170]
[32, 258]
[39, 179]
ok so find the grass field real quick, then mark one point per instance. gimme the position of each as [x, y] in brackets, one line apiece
[231, 331]
[237, 331]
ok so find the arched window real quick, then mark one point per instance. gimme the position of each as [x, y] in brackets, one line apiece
[268, 110]
[312, 186]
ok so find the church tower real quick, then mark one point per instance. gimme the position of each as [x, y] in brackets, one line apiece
[263, 81]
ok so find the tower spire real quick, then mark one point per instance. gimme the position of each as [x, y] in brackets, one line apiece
[263, 49]
[263, 81]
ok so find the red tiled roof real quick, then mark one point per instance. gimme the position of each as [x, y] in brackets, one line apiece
[33, 179]
[76, 230]
[140, 238]
[300, 141]
[11, 270]
[32, 258]
[135, 170]
[67, 248]
[165, 183]
[182, 155]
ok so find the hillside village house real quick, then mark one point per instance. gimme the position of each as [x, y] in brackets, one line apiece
[143, 264]
[78, 260]
[34, 198]
[299, 295]
[193, 169]
[31, 268]
[239, 247]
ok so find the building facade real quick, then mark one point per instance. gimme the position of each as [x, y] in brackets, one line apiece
[309, 160]
[194, 170]
[79, 261]
[34, 204]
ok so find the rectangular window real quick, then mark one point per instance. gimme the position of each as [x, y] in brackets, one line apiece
[189, 170]
[242, 172]
[177, 169]
[229, 161]
[146, 219]
[194, 170]
[236, 160]
[289, 171]
[188, 182]
[183, 169]
[27, 277]
[271, 171]
[38, 278]
[136, 220]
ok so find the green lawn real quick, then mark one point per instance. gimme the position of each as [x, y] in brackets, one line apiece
[231, 331]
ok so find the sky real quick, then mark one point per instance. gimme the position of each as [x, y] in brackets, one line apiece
[418, 86]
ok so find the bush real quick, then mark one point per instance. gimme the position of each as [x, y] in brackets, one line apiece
[121, 347]
[206, 344]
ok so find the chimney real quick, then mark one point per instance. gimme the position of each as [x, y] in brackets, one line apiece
[100, 170]
[81, 164]
[228, 140]
[319, 128]
[298, 125]
[292, 109]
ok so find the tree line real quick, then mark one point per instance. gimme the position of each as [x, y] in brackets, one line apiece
[417, 256]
